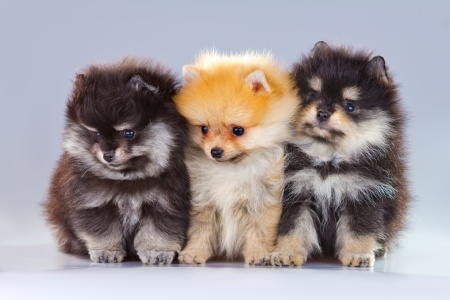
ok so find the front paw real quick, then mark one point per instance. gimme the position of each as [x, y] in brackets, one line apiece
[288, 258]
[258, 259]
[107, 256]
[152, 257]
[192, 257]
[364, 260]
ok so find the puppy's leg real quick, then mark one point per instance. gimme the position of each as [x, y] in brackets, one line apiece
[261, 224]
[161, 231]
[261, 235]
[201, 237]
[154, 246]
[355, 250]
[101, 231]
[297, 240]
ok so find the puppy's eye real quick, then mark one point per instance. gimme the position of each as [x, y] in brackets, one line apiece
[204, 129]
[129, 134]
[97, 136]
[349, 107]
[238, 131]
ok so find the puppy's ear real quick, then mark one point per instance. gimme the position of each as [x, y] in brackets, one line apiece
[138, 84]
[257, 81]
[319, 47]
[377, 67]
[79, 80]
[190, 74]
[79, 85]
[80, 76]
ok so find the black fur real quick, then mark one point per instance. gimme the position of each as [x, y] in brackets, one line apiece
[377, 212]
[91, 197]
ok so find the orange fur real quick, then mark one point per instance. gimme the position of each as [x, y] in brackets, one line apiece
[236, 203]
[220, 98]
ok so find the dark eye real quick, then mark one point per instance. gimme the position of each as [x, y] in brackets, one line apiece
[129, 134]
[238, 131]
[96, 137]
[205, 129]
[349, 107]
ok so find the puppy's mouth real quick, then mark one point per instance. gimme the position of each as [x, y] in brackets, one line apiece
[115, 165]
[232, 159]
[323, 132]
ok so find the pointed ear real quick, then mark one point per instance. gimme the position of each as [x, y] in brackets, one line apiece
[190, 74]
[79, 81]
[377, 67]
[257, 81]
[320, 46]
[137, 83]
[80, 76]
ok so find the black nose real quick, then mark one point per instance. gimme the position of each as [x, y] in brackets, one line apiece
[216, 152]
[108, 155]
[323, 115]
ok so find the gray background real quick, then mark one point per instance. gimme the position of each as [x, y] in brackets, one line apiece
[43, 44]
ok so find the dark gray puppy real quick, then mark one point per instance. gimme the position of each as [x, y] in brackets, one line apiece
[121, 186]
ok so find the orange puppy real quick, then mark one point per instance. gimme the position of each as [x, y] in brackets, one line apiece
[240, 110]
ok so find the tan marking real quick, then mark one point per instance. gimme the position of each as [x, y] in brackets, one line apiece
[355, 250]
[306, 115]
[295, 247]
[315, 83]
[123, 126]
[351, 93]
[339, 120]
[289, 251]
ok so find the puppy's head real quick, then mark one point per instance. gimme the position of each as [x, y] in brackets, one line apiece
[349, 100]
[120, 119]
[236, 104]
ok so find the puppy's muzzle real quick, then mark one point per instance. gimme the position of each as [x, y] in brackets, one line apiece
[108, 156]
[217, 153]
[323, 116]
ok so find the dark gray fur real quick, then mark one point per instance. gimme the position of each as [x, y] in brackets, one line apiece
[87, 198]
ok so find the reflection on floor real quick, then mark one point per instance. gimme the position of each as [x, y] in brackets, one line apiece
[41, 272]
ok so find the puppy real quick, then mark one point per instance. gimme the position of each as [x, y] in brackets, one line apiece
[346, 192]
[121, 186]
[239, 109]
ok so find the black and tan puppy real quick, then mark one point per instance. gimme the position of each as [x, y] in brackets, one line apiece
[121, 186]
[346, 193]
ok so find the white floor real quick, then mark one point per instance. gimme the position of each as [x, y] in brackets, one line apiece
[420, 269]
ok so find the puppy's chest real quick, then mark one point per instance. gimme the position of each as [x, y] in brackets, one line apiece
[130, 209]
[227, 187]
[129, 204]
[333, 188]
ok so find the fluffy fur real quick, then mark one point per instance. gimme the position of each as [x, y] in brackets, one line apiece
[239, 109]
[346, 192]
[121, 186]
